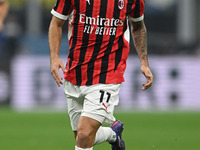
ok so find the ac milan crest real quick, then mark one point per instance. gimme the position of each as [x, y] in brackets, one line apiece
[120, 4]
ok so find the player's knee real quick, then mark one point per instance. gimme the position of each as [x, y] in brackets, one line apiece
[83, 135]
[84, 139]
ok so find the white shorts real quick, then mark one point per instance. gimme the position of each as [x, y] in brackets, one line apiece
[95, 101]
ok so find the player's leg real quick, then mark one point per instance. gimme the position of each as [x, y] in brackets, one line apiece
[75, 134]
[75, 107]
[86, 132]
[110, 134]
[78, 148]
[99, 105]
[74, 104]
[105, 134]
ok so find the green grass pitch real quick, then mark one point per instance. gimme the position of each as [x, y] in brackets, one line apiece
[143, 131]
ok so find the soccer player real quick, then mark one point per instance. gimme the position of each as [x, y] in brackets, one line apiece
[98, 35]
[3, 12]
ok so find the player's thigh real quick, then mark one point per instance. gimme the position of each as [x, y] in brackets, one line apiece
[100, 101]
[88, 125]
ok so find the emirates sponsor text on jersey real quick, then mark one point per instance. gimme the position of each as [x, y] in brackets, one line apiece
[100, 26]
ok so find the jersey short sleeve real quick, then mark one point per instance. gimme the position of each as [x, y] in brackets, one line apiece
[62, 9]
[137, 12]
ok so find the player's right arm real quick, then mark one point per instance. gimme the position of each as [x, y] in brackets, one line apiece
[54, 37]
[3, 12]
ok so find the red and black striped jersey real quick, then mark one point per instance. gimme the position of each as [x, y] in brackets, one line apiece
[98, 37]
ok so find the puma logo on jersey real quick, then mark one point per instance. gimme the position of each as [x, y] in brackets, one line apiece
[88, 1]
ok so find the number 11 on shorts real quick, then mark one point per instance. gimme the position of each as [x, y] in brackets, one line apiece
[102, 96]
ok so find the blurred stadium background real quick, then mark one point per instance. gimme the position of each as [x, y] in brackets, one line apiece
[165, 117]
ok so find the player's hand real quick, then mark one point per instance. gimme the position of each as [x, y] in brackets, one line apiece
[149, 76]
[56, 64]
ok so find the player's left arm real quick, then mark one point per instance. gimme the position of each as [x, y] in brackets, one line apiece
[139, 34]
